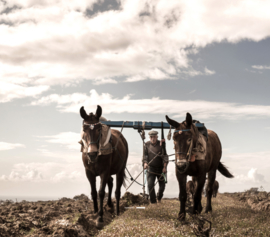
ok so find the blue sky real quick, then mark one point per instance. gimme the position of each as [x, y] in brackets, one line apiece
[139, 61]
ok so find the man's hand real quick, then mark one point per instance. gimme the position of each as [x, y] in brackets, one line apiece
[164, 170]
[162, 140]
[145, 166]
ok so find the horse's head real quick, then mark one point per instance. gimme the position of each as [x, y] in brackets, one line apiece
[91, 129]
[185, 138]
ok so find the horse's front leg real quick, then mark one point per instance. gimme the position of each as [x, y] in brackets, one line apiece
[110, 185]
[103, 181]
[92, 179]
[182, 180]
[197, 207]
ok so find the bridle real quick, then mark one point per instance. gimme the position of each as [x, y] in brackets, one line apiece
[91, 158]
[187, 153]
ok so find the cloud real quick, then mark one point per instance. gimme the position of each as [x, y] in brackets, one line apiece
[10, 91]
[9, 146]
[56, 42]
[68, 139]
[100, 81]
[45, 172]
[260, 67]
[204, 109]
[251, 177]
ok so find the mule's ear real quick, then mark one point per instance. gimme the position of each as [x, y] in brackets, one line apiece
[172, 122]
[189, 119]
[83, 113]
[98, 112]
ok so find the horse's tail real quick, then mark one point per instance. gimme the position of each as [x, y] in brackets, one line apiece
[125, 178]
[224, 170]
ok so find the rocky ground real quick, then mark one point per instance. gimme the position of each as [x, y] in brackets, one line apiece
[259, 201]
[65, 217]
[234, 214]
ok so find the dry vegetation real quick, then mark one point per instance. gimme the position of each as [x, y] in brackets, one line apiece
[233, 215]
[230, 217]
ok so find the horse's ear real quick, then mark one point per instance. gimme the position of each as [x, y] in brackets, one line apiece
[172, 122]
[98, 112]
[83, 113]
[189, 119]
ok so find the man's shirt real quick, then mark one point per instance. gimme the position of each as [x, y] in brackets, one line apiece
[149, 154]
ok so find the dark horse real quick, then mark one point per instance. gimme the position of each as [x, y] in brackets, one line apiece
[103, 165]
[184, 140]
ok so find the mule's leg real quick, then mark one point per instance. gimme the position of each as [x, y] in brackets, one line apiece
[119, 182]
[209, 190]
[92, 179]
[110, 186]
[182, 180]
[197, 207]
[103, 181]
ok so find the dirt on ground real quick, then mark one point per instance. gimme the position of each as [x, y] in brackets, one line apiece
[234, 214]
[65, 217]
[259, 201]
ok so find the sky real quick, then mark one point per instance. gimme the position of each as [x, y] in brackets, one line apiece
[138, 60]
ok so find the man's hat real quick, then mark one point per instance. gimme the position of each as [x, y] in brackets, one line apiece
[153, 133]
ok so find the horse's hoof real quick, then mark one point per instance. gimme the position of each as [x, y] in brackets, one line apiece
[181, 217]
[111, 209]
[99, 223]
[208, 210]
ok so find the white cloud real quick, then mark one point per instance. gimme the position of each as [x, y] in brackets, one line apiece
[10, 91]
[9, 146]
[260, 67]
[209, 72]
[45, 172]
[199, 108]
[68, 139]
[100, 81]
[54, 42]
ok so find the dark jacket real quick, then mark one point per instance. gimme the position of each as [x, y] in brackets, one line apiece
[149, 154]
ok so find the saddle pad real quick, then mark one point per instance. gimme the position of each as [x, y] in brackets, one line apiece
[200, 151]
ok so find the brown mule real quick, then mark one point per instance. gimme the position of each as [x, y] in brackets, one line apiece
[185, 141]
[103, 165]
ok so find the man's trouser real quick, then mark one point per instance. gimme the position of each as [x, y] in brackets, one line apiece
[151, 178]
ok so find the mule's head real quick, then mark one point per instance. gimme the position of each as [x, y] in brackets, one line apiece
[91, 129]
[184, 138]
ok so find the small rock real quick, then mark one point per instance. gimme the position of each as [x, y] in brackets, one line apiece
[68, 209]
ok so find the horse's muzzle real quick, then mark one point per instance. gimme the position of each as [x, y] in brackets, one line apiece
[181, 163]
[92, 156]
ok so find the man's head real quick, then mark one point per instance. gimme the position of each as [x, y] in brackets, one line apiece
[153, 135]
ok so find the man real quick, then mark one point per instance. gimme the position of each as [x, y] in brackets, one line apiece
[157, 166]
